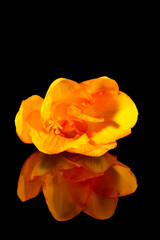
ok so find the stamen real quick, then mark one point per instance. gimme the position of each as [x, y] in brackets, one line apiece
[53, 126]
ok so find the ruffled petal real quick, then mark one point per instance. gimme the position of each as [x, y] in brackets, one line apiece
[60, 90]
[120, 117]
[95, 164]
[77, 113]
[100, 207]
[97, 84]
[93, 150]
[28, 189]
[27, 107]
[78, 174]
[37, 165]
[117, 181]
[50, 164]
[50, 142]
[65, 199]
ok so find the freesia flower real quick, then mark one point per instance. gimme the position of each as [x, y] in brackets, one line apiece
[72, 183]
[86, 118]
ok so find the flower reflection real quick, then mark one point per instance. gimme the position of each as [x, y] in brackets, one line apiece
[72, 183]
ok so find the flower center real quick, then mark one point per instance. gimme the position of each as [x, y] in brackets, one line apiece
[67, 128]
[73, 123]
[53, 126]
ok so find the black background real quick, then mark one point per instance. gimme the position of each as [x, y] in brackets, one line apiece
[33, 59]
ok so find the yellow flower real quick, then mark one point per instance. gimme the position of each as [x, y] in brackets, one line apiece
[85, 118]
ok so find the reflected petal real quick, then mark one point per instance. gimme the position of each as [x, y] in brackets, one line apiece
[65, 199]
[37, 165]
[95, 164]
[78, 174]
[117, 181]
[100, 207]
[27, 190]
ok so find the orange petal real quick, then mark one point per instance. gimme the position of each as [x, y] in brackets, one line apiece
[118, 123]
[29, 187]
[100, 207]
[60, 90]
[53, 144]
[49, 164]
[95, 164]
[102, 83]
[117, 181]
[93, 150]
[37, 165]
[78, 174]
[50, 142]
[77, 112]
[27, 106]
[27, 190]
[65, 199]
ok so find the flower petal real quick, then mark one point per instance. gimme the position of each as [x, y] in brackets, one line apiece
[29, 186]
[51, 143]
[65, 199]
[60, 90]
[92, 149]
[117, 181]
[97, 84]
[95, 164]
[37, 165]
[27, 106]
[118, 123]
[100, 207]
[50, 164]
[27, 190]
[77, 112]
[78, 174]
